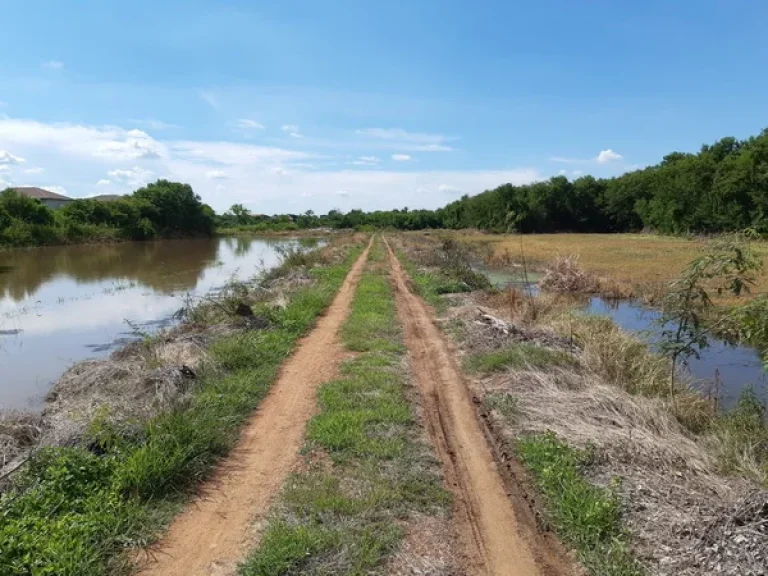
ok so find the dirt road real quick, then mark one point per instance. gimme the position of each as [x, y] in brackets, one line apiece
[495, 541]
[215, 531]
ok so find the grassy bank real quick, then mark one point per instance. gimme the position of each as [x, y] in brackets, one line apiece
[600, 432]
[366, 470]
[75, 510]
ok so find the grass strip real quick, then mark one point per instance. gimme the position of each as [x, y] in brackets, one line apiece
[74, 510]
[519, 356]
[366, 468]
[586, 516]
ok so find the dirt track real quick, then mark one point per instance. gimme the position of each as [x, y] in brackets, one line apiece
[496, 542]
[215, 531]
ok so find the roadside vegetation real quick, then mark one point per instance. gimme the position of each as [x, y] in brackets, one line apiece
[75, 510]
[611, 442]
[160, 210]
[366, 471]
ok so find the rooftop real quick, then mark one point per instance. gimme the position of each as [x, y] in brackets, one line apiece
[40, 194]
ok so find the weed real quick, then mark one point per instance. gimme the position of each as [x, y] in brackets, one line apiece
[519, 356]
[587, 517]
[505, 404]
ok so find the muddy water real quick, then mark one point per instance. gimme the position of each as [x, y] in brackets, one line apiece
[60, 305]
[723, 370]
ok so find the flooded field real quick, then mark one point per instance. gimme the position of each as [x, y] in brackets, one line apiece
[60, 305]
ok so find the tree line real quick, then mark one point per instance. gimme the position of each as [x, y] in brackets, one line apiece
[723, 187]
[163, 209]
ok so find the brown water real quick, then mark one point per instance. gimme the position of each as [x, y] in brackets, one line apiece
[60, 305]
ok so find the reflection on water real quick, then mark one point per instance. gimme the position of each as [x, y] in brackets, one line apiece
[722, 369]
[60, 305]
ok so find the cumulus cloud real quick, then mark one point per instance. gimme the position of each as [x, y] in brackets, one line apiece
[53, 65]
[608, 155]
[76, 153]
[136, 176]
[248, 124]
[408, 141]
[7, 158]
[217, 175]
[401, 157]
[103, 182]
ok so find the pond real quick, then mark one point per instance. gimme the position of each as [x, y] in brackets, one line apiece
[723, 369]
[60, 305]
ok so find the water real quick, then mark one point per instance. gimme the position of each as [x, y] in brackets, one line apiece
[722, 368]
[60, 305]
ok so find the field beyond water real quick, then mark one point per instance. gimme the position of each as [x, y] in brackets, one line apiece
[640, 262]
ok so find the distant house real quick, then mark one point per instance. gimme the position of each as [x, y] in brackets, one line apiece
[48, 198]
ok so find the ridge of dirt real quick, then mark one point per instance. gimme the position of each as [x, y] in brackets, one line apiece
[214, 532]
[497, 539]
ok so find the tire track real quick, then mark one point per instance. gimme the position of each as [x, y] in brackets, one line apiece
[216, 530]
[496, 542]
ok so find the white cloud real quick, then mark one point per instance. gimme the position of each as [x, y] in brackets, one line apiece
[292, 130]
[342, 193]
[217, 175]
[136, 176]
[34, 170]
[608, 155]
[409, 141]
[108, 142]
[8, 158]
[248, 124]
[603, 157]
[209, 98]
[74, 154]
[448, 189]
[136, 145]
[366, 161]
[103, 182]
[153, 124]
[564, 160]
[53, 65]
[401, 157]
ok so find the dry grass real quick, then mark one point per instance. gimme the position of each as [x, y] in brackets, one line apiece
[563, 274]
[636, 263]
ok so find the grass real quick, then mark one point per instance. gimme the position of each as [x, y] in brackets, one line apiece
[642, 261]
[587, 517]
[345, 517]
[519, 356]
[74, 510]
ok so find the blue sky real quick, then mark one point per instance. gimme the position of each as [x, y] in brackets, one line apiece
[295, 105]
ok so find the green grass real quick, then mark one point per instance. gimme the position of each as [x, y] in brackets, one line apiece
[73, 510]
[347, 519]
[518, 356]
[586, 517]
